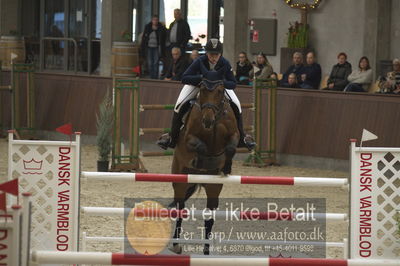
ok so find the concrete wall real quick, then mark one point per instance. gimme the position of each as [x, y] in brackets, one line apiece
[10, 16]
[336, 26]
[395, 29]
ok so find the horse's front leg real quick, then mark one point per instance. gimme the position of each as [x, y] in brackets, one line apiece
[212, 191]
[194, 144]
[179, 199]
[230, 151]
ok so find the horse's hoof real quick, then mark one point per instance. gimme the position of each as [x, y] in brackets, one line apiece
[227, 170]
[177, 249]
[206, 251]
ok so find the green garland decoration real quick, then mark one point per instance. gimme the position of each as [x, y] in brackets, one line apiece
[303, 5]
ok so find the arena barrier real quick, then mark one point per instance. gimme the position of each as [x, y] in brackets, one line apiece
[183, 260]
[132, 160]
[42, 168]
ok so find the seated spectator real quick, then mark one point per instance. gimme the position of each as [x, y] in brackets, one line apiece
[337, 80]
[297, 68]
[262, 69]
[292, 81]
[311, 78]
[274, 75]
[391, 83]
[194, 55]
[243, 68]
[360, 79]
[177, 66]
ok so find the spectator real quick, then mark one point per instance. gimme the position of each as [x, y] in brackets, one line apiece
[179, 32]
[297, 68]
[360, 79]
[274, 75]
[292, 81]
[194, 55]
[311, 78]
[177, 66]
[243, 68]
[338, 78]
[262, 69]
[153, 45]
[391, 84]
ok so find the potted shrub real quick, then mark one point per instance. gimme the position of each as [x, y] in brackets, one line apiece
[104, 123]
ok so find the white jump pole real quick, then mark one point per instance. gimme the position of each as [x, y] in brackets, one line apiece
[202, 214]
[152, 241]
[218, 179]
[50, 257]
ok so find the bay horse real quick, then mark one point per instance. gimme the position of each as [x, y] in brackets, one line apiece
[206, 145]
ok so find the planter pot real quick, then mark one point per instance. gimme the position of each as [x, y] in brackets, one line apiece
[102, 166]
[125, 56]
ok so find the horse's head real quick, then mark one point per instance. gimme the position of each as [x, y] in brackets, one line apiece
[211, 101]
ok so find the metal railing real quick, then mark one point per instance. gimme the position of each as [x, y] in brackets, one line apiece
[59, 39]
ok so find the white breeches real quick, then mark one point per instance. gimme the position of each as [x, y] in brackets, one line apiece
[189, 92]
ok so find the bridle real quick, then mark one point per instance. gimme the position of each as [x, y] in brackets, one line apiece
[218, 109]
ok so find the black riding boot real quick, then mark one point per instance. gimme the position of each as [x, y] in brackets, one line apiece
[244, 140]
[169, 140]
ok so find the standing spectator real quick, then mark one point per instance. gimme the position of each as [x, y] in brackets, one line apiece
[177, 67]
[262, 69]
[194, 55]
[338, 78]
[153, 45]
[292, 81]
[297, 68]
[179, 32]
[311, 78]
[243, 68]
[360, 79]
[391, 84]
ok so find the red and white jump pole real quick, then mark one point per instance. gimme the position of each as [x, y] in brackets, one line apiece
[206, 213]
[51, 257]
[218, 179]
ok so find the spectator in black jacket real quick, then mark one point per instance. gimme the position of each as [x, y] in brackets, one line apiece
[311, 78]
[243, 68]
[292, 81]
[178, 65]
[338, 78]
[297, 68]
[179, 32]
[153, 45]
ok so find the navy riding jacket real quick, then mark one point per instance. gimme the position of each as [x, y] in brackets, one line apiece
[199, 68]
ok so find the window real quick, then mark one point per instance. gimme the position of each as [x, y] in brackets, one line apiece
[197, 19]
[167, 10]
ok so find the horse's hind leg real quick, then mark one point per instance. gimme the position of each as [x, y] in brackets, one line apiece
[212, 191]
[179, 199]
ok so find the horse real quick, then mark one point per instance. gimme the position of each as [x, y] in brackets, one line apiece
[206, 145]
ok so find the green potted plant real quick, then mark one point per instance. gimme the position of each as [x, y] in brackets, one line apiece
[104, 123]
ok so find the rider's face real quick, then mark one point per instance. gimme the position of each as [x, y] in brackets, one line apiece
[213, 58]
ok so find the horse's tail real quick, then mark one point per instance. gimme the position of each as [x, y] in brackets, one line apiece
[189, 192]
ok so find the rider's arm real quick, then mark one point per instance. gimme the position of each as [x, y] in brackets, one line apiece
[191, 76]
[229, 81]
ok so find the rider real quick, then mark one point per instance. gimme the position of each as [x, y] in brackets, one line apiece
[205, 67]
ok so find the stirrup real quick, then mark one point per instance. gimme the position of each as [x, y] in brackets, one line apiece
[164, 142]
[249, 142]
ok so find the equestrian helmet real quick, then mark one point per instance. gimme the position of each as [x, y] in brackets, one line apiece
[213, 46]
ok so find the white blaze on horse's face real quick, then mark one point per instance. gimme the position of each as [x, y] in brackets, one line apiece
[211, 103]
